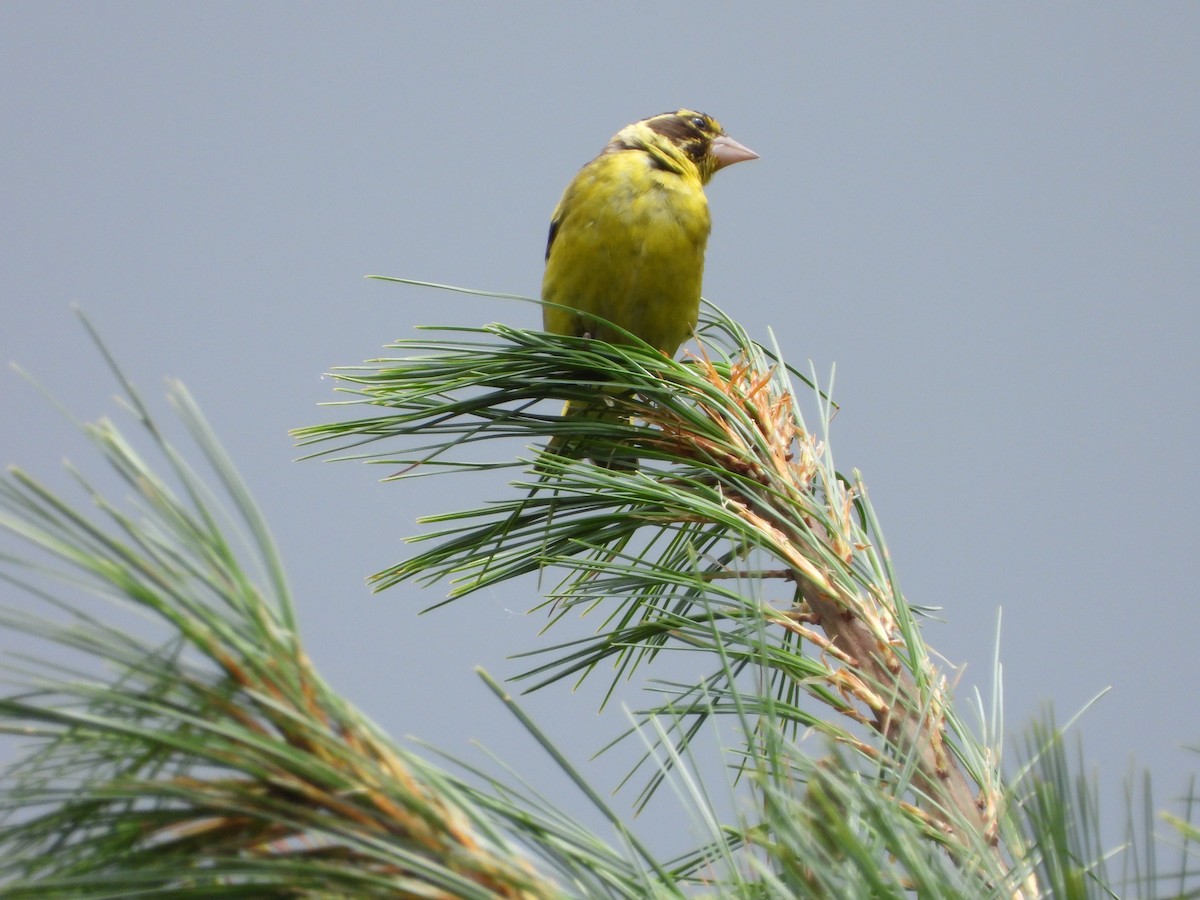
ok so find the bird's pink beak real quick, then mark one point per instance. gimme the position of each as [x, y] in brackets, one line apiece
[727, 151]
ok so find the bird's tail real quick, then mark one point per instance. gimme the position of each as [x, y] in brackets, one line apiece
[577, 444]
[572, 443]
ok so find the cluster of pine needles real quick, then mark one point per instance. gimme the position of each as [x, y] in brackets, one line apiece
[210, 755]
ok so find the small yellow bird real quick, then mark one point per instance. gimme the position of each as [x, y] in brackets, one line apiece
[627, 238]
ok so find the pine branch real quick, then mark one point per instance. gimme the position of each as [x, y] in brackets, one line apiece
[213, 758]
[727, 471]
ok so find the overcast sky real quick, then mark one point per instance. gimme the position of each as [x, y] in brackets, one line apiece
[986, 216]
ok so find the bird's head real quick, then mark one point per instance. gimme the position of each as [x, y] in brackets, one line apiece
[682, 139]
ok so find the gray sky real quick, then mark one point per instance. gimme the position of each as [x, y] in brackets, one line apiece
[986, 216]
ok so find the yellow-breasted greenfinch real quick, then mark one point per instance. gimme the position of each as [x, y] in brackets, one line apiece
[627, 238]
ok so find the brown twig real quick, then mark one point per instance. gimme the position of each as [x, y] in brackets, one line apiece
[857, 629]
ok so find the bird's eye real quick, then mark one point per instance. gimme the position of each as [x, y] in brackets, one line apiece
[700, 122]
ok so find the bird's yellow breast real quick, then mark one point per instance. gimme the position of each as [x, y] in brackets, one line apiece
[627, 244]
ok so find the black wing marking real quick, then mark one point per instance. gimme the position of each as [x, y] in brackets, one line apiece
[554, 223]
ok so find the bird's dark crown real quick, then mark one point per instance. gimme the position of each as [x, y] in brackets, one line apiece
[686, 131]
